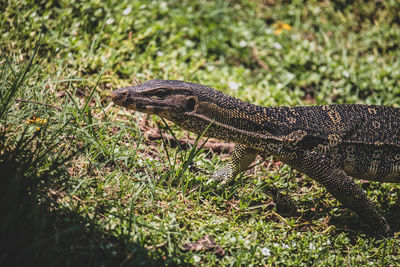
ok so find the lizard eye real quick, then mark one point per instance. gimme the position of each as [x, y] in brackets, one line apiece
[161, 94]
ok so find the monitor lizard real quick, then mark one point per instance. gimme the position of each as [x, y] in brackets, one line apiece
[329, 143]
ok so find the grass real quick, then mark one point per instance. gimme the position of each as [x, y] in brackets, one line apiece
[83, 184]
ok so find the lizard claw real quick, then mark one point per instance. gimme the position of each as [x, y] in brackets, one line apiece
[221, 177]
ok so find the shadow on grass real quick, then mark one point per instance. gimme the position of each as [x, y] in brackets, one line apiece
[347, 220]
[34, 156]
[393, 216]
[36, 233]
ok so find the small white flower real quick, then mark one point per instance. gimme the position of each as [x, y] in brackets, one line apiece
[127, 11]
[370, 58]
[233, 85]
[242, 43]
[196, 258]
[290, 76]
[277, 46]
[160, 53]
[189, 43]
[346, 74]
[163, 6]
[268, 31]
[110, 21]
[312, 246]
[210, 67]
[285, 246]
[266, 251]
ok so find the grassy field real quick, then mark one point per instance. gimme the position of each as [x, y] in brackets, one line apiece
[87, 183]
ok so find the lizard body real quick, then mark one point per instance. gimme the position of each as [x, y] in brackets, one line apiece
[330, 143]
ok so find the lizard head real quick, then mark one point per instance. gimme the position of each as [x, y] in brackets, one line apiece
[164, 98]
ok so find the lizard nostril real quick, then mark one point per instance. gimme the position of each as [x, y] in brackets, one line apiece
[119, 96]
[114, 95]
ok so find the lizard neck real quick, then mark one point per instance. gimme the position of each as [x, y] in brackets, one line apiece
[228, 118]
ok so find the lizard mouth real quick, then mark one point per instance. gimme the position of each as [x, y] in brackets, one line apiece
[122, 98]
[142, 106]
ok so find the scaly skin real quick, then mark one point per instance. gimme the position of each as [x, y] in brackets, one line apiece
[329, 143]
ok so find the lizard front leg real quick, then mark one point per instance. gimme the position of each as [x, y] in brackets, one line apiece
[341, 186]
[241, 158]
